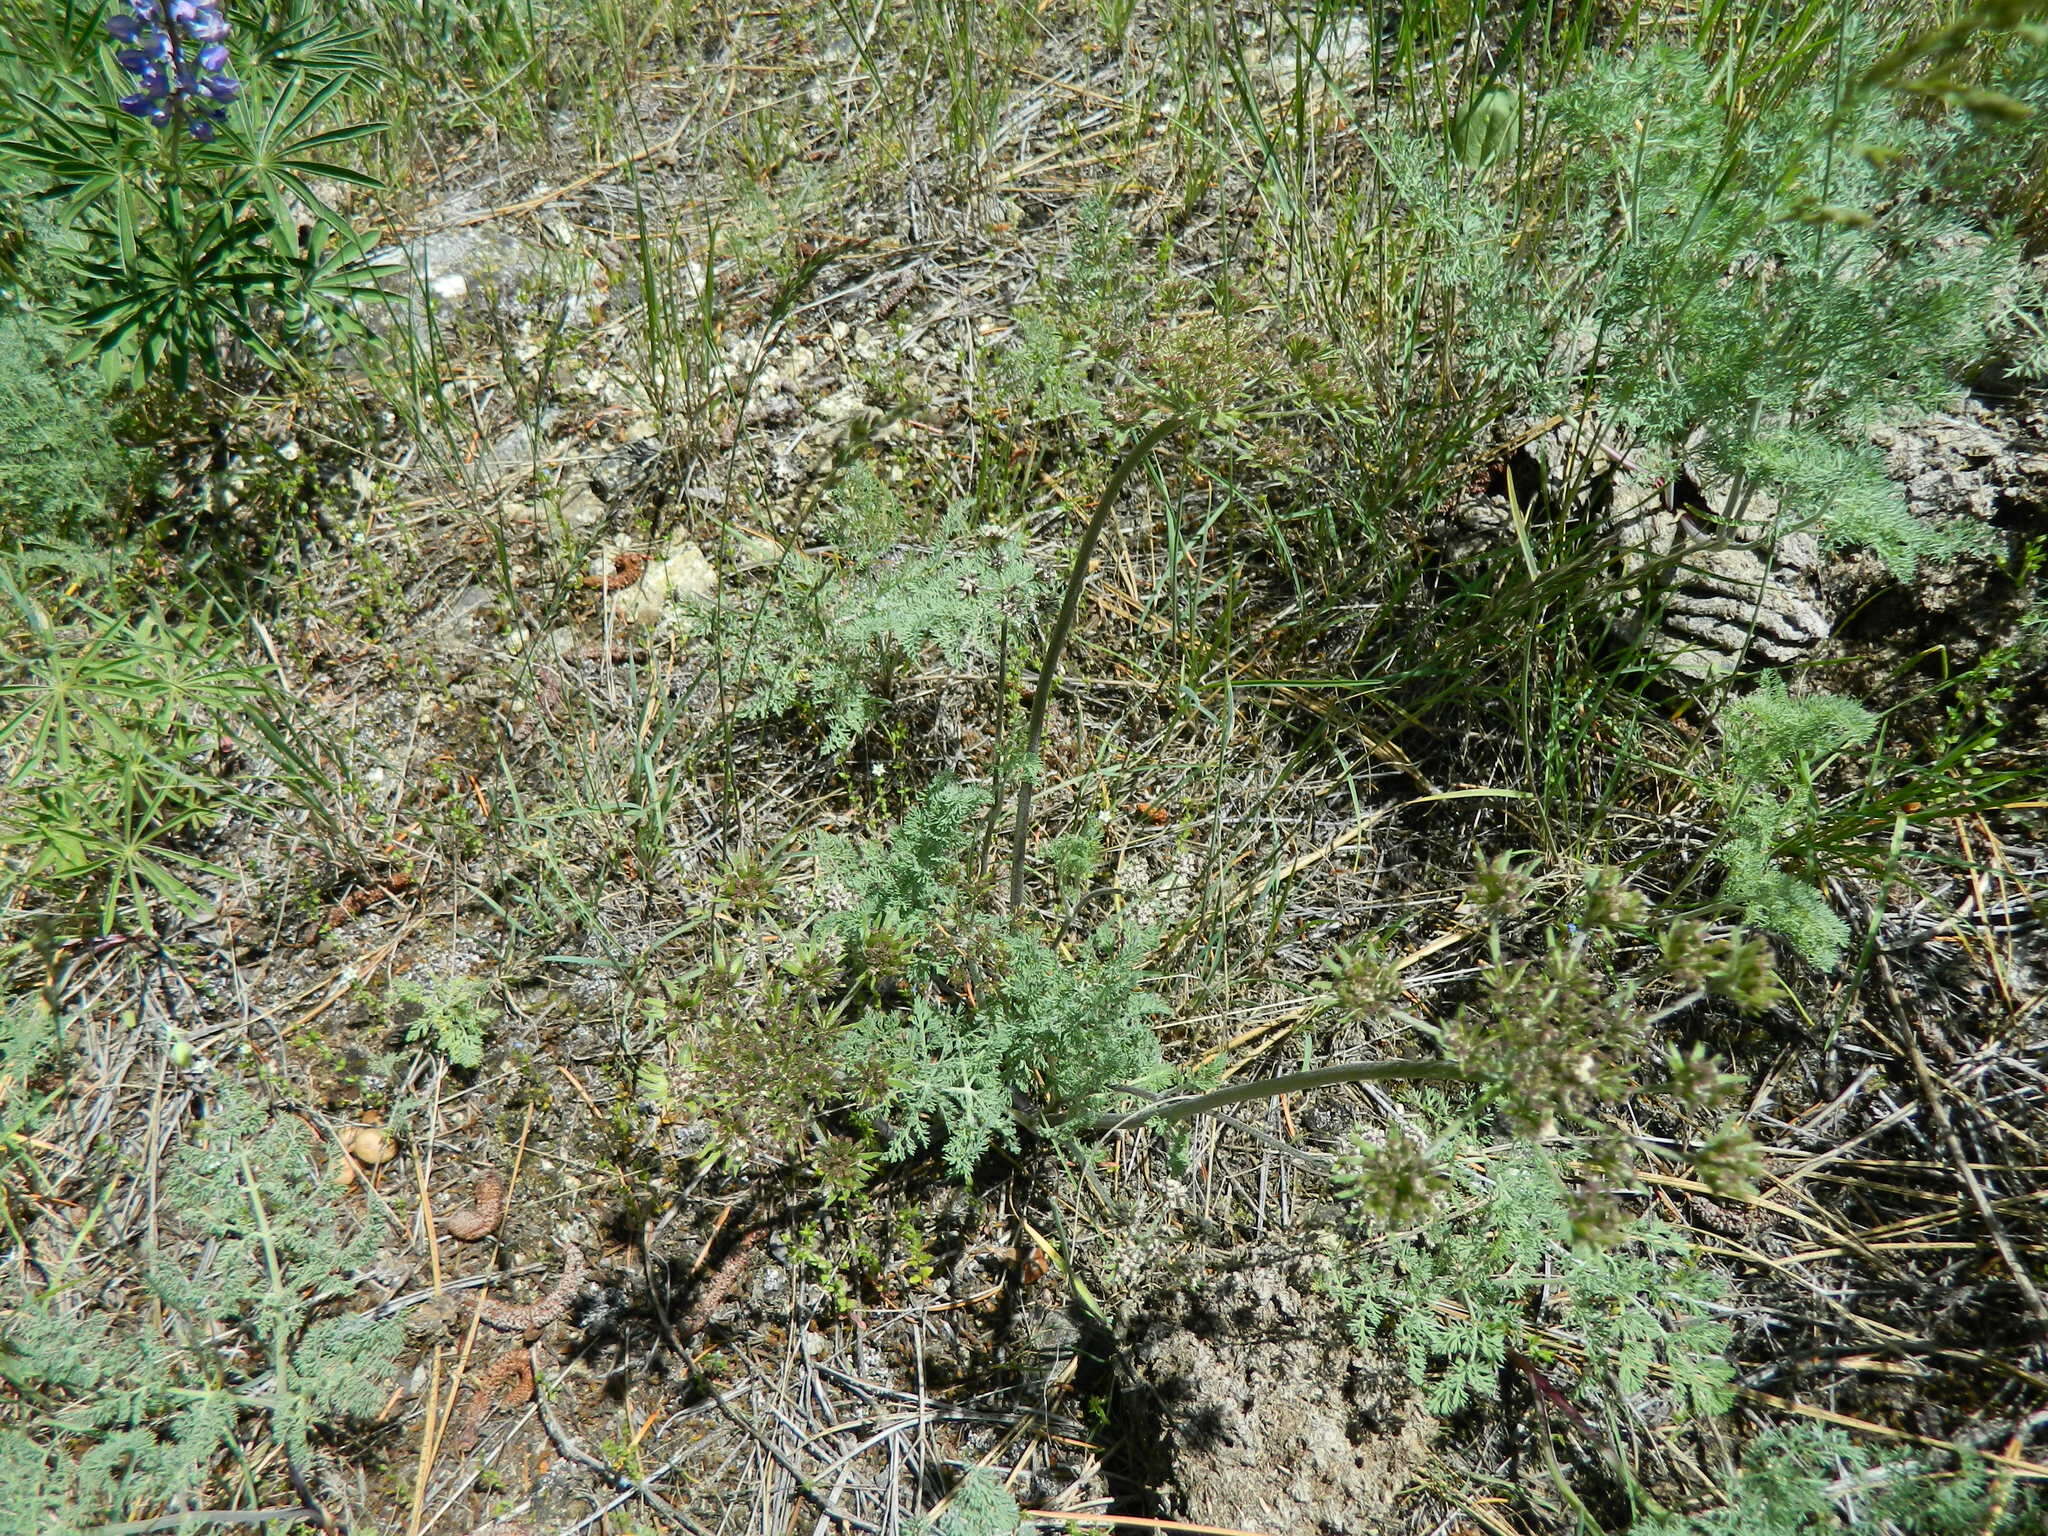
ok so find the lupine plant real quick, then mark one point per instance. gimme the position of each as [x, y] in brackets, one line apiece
[189, 210]
[180, 62]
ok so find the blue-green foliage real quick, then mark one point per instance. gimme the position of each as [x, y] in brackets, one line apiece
[125, 1415]
[831, 637]
[1060, 364]
[907, 876]
[1845, 493]
[1771, 745]
[1465, 237]
[60, 468]
[988, 1017]
[1051, 374]
[28, 1043]
[1739, 280]
[1059, 1031]
[1805, 1480]
[980, 1506]
[452, 1014]
[1788, 265]
[1456, 1295]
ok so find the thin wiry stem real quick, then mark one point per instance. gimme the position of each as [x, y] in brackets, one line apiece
[1062, 627]
[1169, 1110]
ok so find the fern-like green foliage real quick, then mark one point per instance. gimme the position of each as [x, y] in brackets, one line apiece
[1456, 1295]
[1771, 261]
[1769, 736]
[60, 468]
[1771, 744]
[1845, 493]
[831, 638]
[1804, 1480]
[1074, 859]
[1050, 373]
[980, 1506]
[128, 1412]
[1058, 1033]
[28, 1045]
[1061, 361]
[451, 1014]
[865, 515]
[1464, 235]
[969, 1016]
[903, 878]
[1712, 266]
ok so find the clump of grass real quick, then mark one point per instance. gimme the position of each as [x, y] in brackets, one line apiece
[113, 731]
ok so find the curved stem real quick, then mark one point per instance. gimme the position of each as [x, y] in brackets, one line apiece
[1169, 1110]
[1062, 627]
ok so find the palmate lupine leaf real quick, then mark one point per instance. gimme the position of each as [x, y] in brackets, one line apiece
[179, 292]
[86, 158]
[294, 38]
[66, 38]
[276, 160]
[105, 729]
[185, 248]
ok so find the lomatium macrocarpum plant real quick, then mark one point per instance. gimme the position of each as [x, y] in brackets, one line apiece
[175, 217]
[1573, 1015]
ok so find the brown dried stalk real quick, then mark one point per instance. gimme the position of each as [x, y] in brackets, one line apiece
[720, 1285]
[507, 1384]
[536, 1315]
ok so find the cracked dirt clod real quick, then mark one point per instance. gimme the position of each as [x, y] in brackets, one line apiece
[1708, 585]
[481, 1218]
[1258, 1418]
[1708, 604]
[537, 1314]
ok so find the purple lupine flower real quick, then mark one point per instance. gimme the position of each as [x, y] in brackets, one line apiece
[179, 58]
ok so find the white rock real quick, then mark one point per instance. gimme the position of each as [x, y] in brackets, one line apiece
[584, 509]
[843, 404]
[684, 574]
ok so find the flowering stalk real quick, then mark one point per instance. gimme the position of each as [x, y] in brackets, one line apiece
[179, 57]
